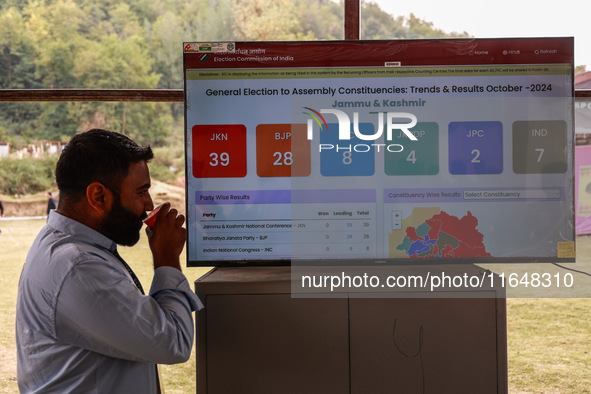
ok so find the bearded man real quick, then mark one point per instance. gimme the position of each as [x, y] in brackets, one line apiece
[83, 322]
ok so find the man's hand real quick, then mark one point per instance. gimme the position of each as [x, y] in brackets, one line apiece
[167, 238]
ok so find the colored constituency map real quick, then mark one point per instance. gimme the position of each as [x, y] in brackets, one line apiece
[432, 233]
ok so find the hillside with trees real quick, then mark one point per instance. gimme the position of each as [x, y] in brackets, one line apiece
[137, 44]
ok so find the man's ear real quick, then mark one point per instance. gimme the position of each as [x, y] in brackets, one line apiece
[99, 197]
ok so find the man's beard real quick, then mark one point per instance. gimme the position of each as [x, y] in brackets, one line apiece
[121, 225]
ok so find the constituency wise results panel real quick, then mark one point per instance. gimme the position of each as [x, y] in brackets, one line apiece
[381, 151]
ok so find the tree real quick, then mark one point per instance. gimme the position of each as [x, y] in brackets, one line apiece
[122, 44]
[14, 45]
[320, 19]
[377, 24]
[17, 71]
[267, 20]
[58, 29]
[113, 63]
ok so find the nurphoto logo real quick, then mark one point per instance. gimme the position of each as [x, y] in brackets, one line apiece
[344, 129]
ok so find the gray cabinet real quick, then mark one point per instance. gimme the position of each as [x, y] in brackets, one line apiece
[253, 337]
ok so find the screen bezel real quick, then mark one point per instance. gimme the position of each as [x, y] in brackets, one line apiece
[455, 52]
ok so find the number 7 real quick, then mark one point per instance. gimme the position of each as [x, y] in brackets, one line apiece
[541, 150]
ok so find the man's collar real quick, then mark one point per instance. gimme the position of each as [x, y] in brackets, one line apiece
[81, 231]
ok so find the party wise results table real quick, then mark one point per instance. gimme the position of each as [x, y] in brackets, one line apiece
[342, 222]
[287, 223]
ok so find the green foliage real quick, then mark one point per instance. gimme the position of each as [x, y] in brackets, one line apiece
[136, 44]
[169, 160]
[55, 122]
[26, 176]
[380, 25]
[15, 48]
[266, 20]
[162, 173]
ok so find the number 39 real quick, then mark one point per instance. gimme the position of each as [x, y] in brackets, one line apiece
[221, 159]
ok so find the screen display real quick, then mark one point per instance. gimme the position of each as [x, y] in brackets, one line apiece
[379, 151]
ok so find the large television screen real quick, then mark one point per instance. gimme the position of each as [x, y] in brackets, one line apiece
[364, 152]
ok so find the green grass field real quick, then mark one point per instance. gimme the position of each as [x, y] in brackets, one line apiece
[549, 339]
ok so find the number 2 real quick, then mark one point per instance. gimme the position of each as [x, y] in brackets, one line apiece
[476, 158]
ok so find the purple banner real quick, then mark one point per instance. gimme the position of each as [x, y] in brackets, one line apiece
[243, 197]
[285, 196]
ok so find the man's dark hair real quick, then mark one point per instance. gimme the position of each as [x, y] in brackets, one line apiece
[96, 156]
